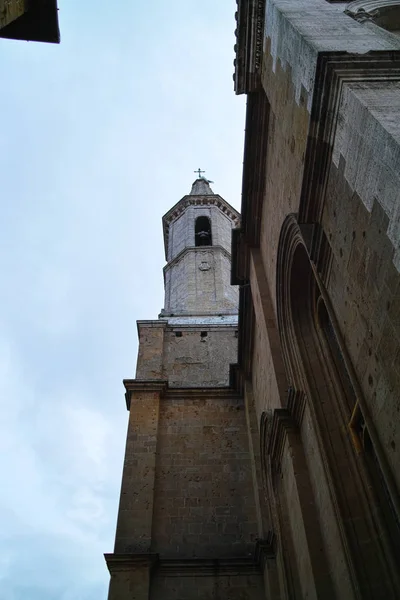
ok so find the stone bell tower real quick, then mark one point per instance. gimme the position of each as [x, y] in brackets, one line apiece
[187, 521]
[197, 237]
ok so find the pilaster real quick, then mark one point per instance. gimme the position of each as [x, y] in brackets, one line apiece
[137, 490]
[130, 575]
[151, 345]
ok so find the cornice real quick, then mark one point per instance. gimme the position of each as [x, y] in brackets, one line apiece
[189, 249]
[196, 567]
[211, 393]
[250, 18]
[203, 567]
[190, 200]
[129, 562]
[253, 184]
[143, 385]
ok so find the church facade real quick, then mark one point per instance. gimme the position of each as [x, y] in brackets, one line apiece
[263, 448]
[317, 260]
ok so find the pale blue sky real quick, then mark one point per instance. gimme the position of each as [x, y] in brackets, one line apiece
[99, 138]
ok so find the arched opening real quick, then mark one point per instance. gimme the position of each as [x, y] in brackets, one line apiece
[203, 232]
[384, 13]
[317, 363]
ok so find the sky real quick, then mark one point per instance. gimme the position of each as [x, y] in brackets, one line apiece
[99, 138]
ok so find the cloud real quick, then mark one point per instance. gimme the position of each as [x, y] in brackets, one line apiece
[100, 137]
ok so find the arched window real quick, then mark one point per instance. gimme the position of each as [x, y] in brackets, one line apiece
[384, 13]
[203, 232]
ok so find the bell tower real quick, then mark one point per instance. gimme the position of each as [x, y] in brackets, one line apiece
[197, 238]
[187, 519]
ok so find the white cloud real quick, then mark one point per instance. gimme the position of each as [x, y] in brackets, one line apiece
[99, 138]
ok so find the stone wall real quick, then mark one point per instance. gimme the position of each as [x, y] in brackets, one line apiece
[218, 587]
[364, 289]
[203, 498]
[197, 282]
[199, 356]
[356, 180]
[189, 354]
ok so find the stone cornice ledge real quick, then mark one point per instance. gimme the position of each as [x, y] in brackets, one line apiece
[250, 18]
[203, 567]
[143, 385]
[127, 562]
[199, 567]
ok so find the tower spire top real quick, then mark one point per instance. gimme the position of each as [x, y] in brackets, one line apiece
[201, 187]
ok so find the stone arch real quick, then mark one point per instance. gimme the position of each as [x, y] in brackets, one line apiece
[318, 366]
[384, 13]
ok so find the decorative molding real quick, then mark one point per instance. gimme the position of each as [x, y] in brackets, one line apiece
[274, 426]
[211, 393]
[196, 567]
[296, 403]
[143, 385]
[189, 200]
[334, 71]
[282, 423]
[248, 236]
[196, 249]
[250, 19]
[129, 562]
[206, 567]
[373, 10]
[204, 266]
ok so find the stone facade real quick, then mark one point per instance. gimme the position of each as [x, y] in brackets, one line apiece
[278, 477]
[317, 256]
[188, 522]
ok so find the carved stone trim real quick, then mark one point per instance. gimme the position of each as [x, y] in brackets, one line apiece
[196, 249]
[204, 567]
[296, 403]
[145, 385]
[334, 71]
[282, 422]
[372, 10]
[180, 207]
[250, 18]
[128, 562]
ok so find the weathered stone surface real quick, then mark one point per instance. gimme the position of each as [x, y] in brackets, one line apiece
[319, 334]
[204, 503]
[188, 491]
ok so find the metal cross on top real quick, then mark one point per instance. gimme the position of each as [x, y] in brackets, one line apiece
[199, 171]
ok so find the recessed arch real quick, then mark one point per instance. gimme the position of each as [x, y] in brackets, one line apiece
[317, 364]
[202, 231]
